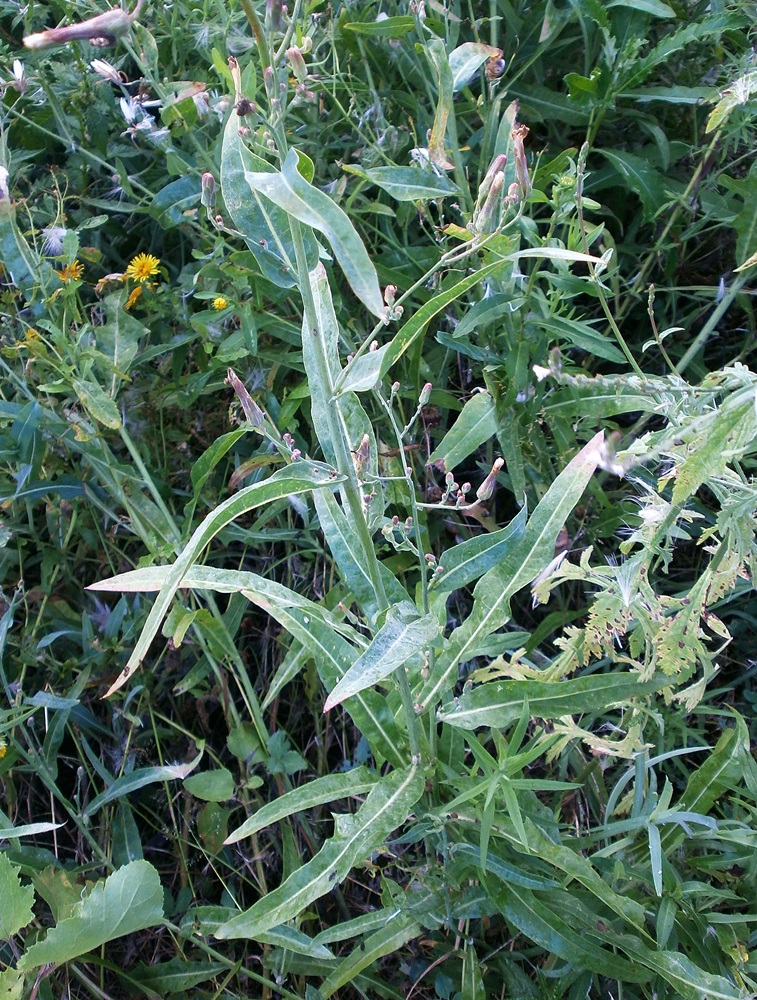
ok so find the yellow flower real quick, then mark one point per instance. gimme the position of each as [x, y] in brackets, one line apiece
[3, 748]
[142, 267]
[133, 297]
[71, 272]
[220, 303]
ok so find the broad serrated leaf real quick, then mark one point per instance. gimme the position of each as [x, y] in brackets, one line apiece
[356, 836]
[290, 191]
[128, 901]
[17, 900]
[315, 793]
[733, 430]
[404, 634]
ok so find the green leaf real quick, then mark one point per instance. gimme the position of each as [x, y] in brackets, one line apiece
[574, 333]
[500, 703]
[299, 477]
[475, 556]
[356, 837]
[386, 941]
[119, 338]
[491, 608]
[128, 901]
[404, 634]
[171, 203]
[436, 52]
[410, 183]
[362, 373]
[688, 980]
[211, 786]
[642, 178]
[415, 326]
[500, 868]
[129, 783]
[97, 403]
[27, 830]
[176, 975]
[264, 226]
[732, 431]
[17, 900]
[212, 456]
[11, 985]
[291, 192]
[474, 425]
[471, 983]
[315, 793]
[721, 772]
[389, 27]
[537, 921]
[654, 7]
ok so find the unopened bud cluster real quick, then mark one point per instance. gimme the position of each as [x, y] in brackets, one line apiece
[494, 203]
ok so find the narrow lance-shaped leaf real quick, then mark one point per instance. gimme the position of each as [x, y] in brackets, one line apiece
[356, 837]
[386, 941]
[264, 225]
[316, 793]
[300, 477]
[437, 55]
[403, 634]
[537, 920]
[491, 609]
[476, 424]
[128, 783]
[291, 192]
[500, 703]
[475, 556]
[128, 901]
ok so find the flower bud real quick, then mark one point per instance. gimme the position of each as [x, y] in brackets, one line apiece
[425, 394]
[486, 489]
[300, 70]
[251, 409]
[487, 219]
[518, 136]
[208, 190]
[497, 166]
[111, 25]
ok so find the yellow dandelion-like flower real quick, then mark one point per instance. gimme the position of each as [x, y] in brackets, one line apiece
[220, 303]
[3, 748]
[142, 267]
[71, 272]
[133, 297]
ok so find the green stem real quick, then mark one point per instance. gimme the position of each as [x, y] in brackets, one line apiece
[704, 334]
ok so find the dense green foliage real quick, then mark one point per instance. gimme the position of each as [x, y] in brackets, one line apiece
[383, 372]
